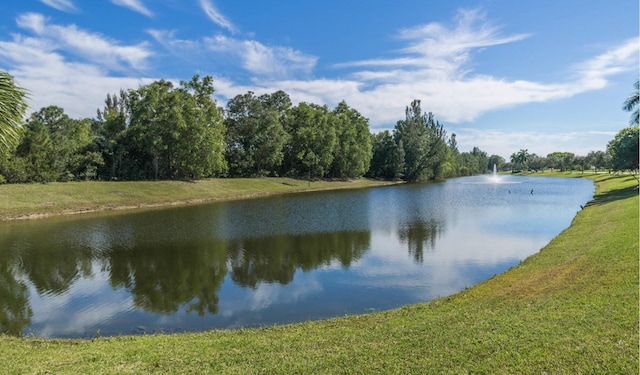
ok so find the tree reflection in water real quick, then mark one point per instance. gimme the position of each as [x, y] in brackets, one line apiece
[15, 311]
[276, 258]
[161, 274]
[420, 235]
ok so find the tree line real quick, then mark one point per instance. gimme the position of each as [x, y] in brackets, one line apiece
[163, 131]
[621, 155]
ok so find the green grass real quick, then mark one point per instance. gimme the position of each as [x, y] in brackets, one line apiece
[37, 200]
[570, 309]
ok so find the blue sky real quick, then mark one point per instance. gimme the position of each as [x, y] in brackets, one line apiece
[504, 75]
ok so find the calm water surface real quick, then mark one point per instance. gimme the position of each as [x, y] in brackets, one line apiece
[273, 260]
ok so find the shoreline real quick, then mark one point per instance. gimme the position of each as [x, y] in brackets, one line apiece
[76, 206]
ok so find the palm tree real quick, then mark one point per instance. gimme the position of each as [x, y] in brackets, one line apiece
[520, 158]
[633, 101]
[13, 106]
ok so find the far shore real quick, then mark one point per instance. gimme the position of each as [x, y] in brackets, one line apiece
[37, 201]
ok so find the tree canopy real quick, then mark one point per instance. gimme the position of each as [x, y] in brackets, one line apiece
[423, 140]
[624, 150]
[167, 131]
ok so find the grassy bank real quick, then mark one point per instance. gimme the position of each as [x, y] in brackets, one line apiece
[572, 308]
[22, 201]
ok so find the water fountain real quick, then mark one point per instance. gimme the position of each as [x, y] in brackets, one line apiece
[494, 176]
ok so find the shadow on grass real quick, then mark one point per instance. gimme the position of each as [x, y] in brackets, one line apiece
[615, 195]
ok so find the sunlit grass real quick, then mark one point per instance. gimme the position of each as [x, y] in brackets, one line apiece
[570, 309]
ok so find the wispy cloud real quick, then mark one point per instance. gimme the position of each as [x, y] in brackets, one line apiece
[434, 65]
[62, 5]
[258, 60]
[93, 47]
[69, 67]
[274, 62]
[135, 5]
[438, 50]
[592, 74]
[215, 16]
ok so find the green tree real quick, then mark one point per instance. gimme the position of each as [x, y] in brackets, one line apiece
[423, 140]
[110, 128]
[598, 160]
[313, 140]
[352, 154]
[451, 167]
[387, 161]
[175, 133]
[520, 159]
[481, 160]
[58, 148]
[200, 147]
[561, 160]
[13, 107]
[623, 149]
[632, 104]
[255, 135]
[537, 163]
[35, 155]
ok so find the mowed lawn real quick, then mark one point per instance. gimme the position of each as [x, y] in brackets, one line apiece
[570, 309]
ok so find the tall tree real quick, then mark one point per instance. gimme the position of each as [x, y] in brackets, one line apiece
[423, 141]
[110, 128]
[313, 139]
[150, 127]
[632, 104]
[387, 161]
[352, 154]
[520, 159]
[255, 135]
[13, 107]
[200, 150]
[175, 133]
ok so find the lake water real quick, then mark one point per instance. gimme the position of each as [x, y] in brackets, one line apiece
[273, 260]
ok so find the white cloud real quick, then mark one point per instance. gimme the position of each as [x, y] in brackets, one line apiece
[259, 60]
[437, 51]
[135, 5]
[274, 62]
[592, 74]
[94, 47]
[215, 16]
[433, 67]
[62, 5]
[42, 65]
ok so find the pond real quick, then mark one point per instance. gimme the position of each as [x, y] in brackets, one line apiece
[273, 260]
